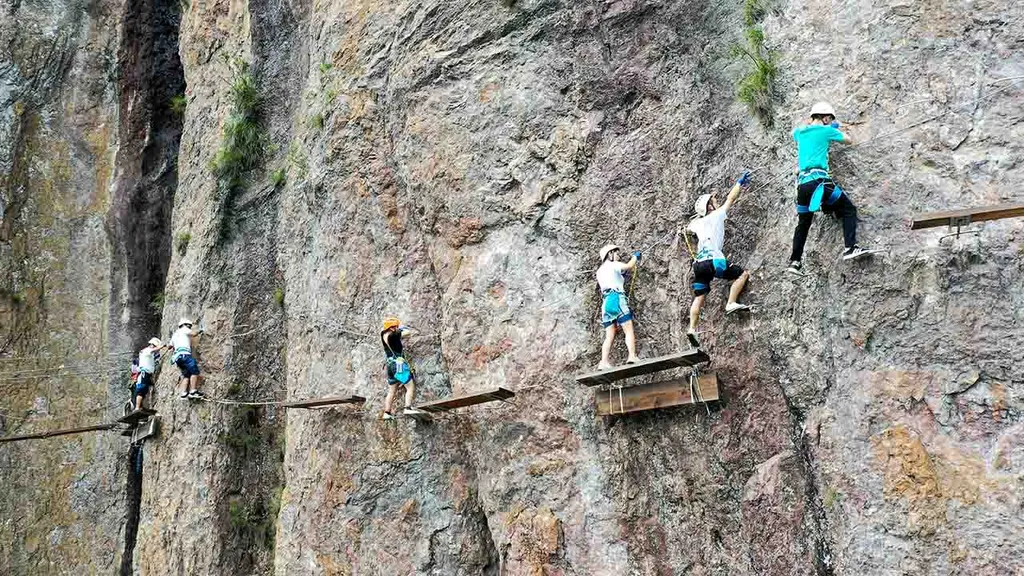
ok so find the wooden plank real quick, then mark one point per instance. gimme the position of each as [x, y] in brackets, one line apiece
[980, 214]
[54, 433]
[136, 416]
[662, 394]
[328, 401]
[466, 400]
[690, 357]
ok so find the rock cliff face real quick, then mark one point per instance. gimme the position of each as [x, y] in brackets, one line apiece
[458, 164]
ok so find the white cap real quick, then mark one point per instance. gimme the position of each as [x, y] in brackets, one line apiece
[184, 321]
[701, 205]
[823, 109]
[608, 248]
[156, 342]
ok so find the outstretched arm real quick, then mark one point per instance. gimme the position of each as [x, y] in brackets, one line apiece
[845, 137]
[735, 192]
[406, 331]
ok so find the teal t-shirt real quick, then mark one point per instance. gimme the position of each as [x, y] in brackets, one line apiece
[812, 143]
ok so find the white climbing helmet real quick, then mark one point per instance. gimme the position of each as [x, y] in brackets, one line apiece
[184, 321]
[156, 342]
[701, 205]
[608, 248]
[823, 109]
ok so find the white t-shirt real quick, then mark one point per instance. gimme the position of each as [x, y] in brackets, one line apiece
[609, 276]
[710, 231]
[147, 359]
[182, 341]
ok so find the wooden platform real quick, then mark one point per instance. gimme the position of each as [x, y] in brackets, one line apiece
[466, 400]
[966, 216]
[657, 395]
[691, 357]
[321, 402]
[136, 416]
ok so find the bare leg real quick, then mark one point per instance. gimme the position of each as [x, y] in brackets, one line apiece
[193, 383]
[410, 393]
[138, 402]
[627, 327]
[183, 387]
[606, 348]
[698, 302]
[390, 399]
[735, 289]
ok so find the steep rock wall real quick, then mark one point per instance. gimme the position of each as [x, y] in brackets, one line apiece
[459, 164]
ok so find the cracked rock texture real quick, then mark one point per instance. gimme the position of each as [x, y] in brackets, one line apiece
[459, 164]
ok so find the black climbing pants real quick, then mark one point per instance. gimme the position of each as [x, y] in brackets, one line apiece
[841, 208]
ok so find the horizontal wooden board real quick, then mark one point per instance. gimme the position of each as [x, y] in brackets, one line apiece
[662, 394]
[980, 214]
[466, 400]
[136, 416]
[64, 432]
[690, 357]
[328, 401]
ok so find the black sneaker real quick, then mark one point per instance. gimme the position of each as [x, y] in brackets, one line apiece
[692, 337]
[794, 268]
[196, 394]
[855, 252]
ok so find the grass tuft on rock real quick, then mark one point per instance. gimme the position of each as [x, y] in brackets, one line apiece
[178, 104]
[757, 88]
[244, 142]
[181, 241]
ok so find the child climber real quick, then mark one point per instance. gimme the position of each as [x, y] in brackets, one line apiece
[710, 261]
[614, 308]
[149, 361]
[397, 369]
[816, 190]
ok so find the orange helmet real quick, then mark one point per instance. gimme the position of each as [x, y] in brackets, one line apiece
[391, 322]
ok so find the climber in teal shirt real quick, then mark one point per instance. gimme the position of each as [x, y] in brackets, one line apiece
[816, 190]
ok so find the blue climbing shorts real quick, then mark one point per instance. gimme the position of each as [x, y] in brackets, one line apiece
[143, 384]
[187, 364]
[398, 371]
[706, 270]
[614, 309]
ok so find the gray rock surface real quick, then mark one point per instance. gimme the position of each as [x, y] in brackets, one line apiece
[459, 165]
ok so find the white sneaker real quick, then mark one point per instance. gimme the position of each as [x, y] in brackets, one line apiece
[856, 252]
[735, 307]
[603, 366]
[412, 412]
[387, 416]
[183, 395]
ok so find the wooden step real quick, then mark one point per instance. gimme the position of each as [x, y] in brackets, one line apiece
[136, 416]
[663, 394]
[466, 400]
[966, 216]
[690, 357]
[327, 401]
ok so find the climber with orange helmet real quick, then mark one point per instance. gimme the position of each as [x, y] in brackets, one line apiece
[397, 370]
[710, 262]
[816, 190]
[614, 308]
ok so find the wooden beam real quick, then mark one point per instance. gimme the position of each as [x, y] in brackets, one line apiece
[980, 214]
[466, 400]
[136, 416]
[690, 357]
[657, 395]
[329, 401]
[53, 433]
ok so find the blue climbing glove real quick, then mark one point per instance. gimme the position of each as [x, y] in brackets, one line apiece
[835, 124]
[637, 255]
[744, 178]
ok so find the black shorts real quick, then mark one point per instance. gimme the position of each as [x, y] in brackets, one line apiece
[143, 384]
[705, 270]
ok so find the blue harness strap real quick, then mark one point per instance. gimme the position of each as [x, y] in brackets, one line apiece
[819, 193]
[612, 305]
[720, 264]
